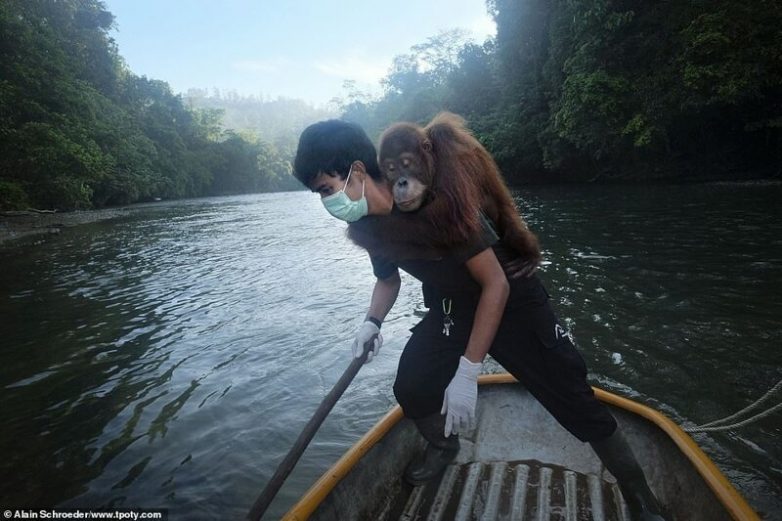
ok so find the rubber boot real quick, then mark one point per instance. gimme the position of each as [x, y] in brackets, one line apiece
[618, 457]
[440, 451]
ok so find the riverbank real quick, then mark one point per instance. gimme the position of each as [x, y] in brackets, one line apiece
[19, 224]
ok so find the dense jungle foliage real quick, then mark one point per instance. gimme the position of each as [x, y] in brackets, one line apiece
[79, 130]
[605, 89]
[568, 90]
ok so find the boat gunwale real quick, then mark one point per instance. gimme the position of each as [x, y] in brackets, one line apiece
[727, 494]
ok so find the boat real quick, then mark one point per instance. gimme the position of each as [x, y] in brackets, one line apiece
[518, 463]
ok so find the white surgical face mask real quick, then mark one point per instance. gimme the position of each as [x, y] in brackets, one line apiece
[343, 207]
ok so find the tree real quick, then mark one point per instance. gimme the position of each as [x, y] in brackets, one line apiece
[80, 130]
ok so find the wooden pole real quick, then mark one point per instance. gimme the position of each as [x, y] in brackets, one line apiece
[290, 460]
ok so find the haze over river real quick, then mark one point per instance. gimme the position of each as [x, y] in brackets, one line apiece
[169, 358]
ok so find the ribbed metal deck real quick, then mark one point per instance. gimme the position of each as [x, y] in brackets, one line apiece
[521, 490]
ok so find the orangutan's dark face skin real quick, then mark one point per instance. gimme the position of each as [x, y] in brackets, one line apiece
[405, 173]
[405, 160]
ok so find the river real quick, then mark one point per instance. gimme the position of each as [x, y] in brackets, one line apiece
[168, 358]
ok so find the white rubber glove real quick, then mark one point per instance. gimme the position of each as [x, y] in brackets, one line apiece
[364, 335]
[460, 397]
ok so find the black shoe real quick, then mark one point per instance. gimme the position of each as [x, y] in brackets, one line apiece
[430, 465]
[439, 452]
[618, 458]
[642, 504]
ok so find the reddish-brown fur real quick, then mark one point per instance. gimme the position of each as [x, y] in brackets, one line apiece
[463, 179]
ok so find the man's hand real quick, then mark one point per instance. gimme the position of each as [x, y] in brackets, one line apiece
[519, 268]
[460, 397]
[367, 337]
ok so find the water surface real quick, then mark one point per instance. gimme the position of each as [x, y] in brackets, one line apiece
[167, 359]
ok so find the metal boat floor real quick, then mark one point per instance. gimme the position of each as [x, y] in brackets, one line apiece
[518, 490]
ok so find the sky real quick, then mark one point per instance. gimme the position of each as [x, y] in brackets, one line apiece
[301, 49]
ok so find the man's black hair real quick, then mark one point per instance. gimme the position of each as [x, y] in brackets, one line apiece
[331, 146]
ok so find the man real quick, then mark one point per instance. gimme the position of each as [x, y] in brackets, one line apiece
[474, 309]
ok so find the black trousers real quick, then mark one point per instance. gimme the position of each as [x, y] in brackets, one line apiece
[530, 344]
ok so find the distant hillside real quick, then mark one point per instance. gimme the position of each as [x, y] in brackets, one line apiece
[274, 121]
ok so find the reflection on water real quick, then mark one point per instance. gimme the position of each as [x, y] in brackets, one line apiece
[168, 358]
